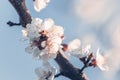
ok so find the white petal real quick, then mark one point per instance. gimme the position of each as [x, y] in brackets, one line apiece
[38, 72]
[53, 48]
[36, 53]
[36, 21]
[77, 53]
[53, 44]
[43, 44]
[57, 31]
[75, 44]
[54, 40]
[47, 1]
[48, 23]
[29, 49]
[39, 5]
[86, 50]
[46, 64]
[101, 62]
[25, 33]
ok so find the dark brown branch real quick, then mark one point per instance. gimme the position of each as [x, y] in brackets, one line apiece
[22, 11]
[67, 69]
[59, 74]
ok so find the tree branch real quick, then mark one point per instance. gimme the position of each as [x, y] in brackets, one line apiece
[22, 11]
[66, 68]
[10, 23]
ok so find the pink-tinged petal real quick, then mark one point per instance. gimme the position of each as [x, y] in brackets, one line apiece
[101, 61]
[75, 44]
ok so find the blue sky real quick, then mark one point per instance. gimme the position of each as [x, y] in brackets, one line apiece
[16, 64]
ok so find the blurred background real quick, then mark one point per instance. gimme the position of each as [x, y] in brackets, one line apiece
[95, 22]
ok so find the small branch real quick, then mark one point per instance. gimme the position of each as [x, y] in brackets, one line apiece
[67, 69]
[83, 68]
[59, 74]
[22, 11]
[86, 61]
[10, 23]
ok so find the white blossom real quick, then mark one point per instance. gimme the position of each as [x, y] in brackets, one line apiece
[40, 4]
[81, 52]
[48, 23]
[51, 45]
[56, 31]
[47, 71]
[25, 33]
[29, 49]
[37, 22]
[43, 44]
[87, 49]
[42, 55]
[32, 29]
[36, 53]
[101, 61]
[75, 44]
[47, 1]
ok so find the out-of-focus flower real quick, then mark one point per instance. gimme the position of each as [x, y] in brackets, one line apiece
[25, 33]
[73, 45]
[29, 49]
[40, 4]
[87, 49]
[75, 49]
[46, 72]
[101, 61]
[36, 53]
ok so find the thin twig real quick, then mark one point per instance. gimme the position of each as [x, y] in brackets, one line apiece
[10, 23]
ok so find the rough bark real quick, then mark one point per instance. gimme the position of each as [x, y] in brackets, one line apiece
[66, 68]
[22, 11]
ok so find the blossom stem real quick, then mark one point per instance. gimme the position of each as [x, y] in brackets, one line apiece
[59, 74]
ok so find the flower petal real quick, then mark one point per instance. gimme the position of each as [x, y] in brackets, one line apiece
[101, 61]
[75, 44]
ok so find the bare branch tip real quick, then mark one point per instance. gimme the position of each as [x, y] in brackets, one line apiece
[10, 23]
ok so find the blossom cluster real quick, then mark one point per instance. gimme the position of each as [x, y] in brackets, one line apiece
[45, 38]
[74, 49]
[46, 72]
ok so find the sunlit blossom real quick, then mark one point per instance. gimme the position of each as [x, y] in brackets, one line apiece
[48, 23]
[46, 72]
[24, 33]
[101, 61]
[75, 44]
[75, 49]
[40, 4]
